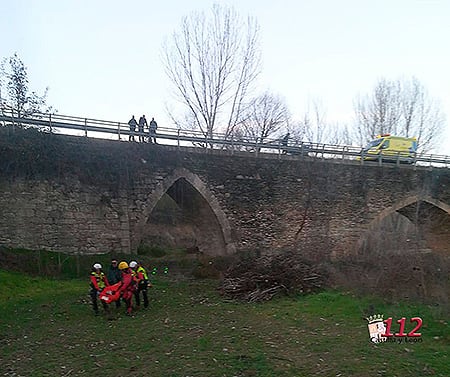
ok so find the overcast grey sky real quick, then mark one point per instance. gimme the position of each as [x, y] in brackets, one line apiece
[101, 58]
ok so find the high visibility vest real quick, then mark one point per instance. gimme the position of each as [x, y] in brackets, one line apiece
[143, 272]
[100, 278]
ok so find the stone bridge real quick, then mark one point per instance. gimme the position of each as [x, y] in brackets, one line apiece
[81, 195]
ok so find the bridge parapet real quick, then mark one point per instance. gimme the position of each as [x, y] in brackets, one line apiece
[296, 148]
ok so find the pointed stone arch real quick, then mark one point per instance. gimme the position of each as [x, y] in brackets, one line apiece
[200, 187]
[398, 219]
[408, 201]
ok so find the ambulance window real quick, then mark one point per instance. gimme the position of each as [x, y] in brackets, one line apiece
[373, 144]
[385, 144]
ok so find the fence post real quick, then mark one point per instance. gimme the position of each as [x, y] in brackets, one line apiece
[85, 127]
[178, 138]
[118, 129]
[50, 122]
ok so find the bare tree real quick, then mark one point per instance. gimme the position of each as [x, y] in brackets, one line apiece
[266, 115]
[15, 94]
[212, 63]
[379, 112]
[309, 126]
[401, 107]
[314, 122]
[315, 128]
[421, 115]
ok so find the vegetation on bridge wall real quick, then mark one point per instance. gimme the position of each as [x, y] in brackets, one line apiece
[33, 155]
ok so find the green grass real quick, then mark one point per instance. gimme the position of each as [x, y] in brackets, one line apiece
[47, 328]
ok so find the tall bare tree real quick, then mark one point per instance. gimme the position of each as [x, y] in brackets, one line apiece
[212, 62]
[314, 127]
[401, 107]
[265, 115]
[15, 94]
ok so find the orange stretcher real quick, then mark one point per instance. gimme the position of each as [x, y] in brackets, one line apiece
[110, 293]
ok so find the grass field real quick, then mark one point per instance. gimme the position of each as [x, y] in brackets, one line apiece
[47, 328]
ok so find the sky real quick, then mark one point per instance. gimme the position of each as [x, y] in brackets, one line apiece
[102, 58]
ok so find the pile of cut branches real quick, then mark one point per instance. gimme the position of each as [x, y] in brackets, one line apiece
[260, 279]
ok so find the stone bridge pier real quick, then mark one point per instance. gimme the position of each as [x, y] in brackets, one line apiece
[93, 196]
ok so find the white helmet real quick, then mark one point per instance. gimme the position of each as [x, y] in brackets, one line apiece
[97, 266]
[133, 264]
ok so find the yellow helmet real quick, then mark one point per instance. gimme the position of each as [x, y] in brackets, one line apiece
[123, 265]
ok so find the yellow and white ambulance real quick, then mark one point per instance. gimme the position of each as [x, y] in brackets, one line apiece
[390, 148]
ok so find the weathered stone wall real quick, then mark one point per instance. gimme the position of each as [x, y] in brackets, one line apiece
[312, 204]
[70, 217]
[92, 196]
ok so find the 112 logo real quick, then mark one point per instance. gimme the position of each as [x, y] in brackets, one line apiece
[413, 333]
[380, 330]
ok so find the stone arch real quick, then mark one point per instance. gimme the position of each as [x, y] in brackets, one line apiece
[200, 187]
[408, 201]
[397, 219]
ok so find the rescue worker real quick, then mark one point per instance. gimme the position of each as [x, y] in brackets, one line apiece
[114, 276]
[141, 277]
[98, 282]
[128, 285]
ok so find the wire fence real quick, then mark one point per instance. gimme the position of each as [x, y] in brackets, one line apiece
[88, 127]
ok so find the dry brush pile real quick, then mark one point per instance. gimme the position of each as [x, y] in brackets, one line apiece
[260, 279]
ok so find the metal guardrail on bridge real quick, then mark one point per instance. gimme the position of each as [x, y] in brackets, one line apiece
[56, 123]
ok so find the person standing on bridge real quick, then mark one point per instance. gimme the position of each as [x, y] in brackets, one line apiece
[284, 142]
[142, 125]
[132, 123]
[152, 131]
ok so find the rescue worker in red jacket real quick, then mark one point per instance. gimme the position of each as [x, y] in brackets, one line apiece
[98, 282]
[128, 285]
[141, 277]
